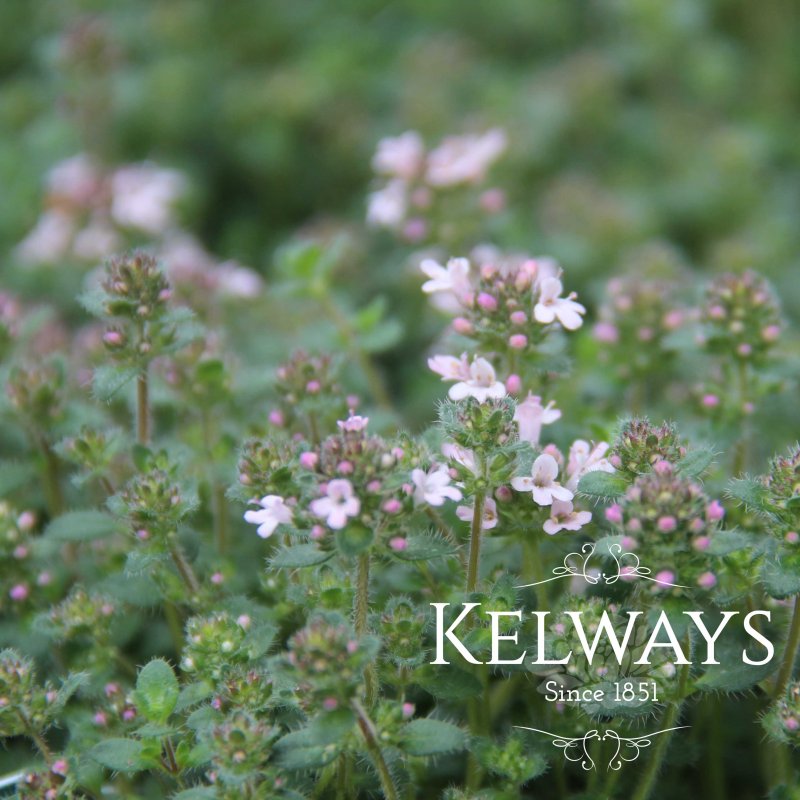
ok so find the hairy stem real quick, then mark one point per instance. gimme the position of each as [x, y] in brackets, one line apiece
[52, 478]
[790, 653]
[475, 543]
[142, 408]
[360, 612]
[371, 740]
[184, 569]
[648, 779]
[35, 737]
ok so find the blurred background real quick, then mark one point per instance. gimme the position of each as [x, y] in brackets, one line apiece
[642, 135]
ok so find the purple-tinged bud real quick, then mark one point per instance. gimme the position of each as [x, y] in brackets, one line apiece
[710, 400]
[408, 710]
[714, 511]
[792, 537]
[645, 334]
[345, 467]
[374, 486]
[110, 689]
[493, 201]
[309, 460]
[673, 319]
[20, 552]
[663, 467]
[487, 301]
[129, 714]
[317, 532]
[353, 401]
[26, 520]
[614, 514]
[771, 333]
[665, 576]
[463, 326]
[708, 580]
[791, 724]
[634, 525]
[217, 578]
[667, 524]
[518, 341]
[629, 543]
[398, 543]
[513, 384]
[313, 386]
[392, 506]
[19, 592]
[44, 579]
[701, 543]
[59, 767]
[113, 339]
[518, 317]
[100, 719]
[503, 494]
[744, 349]
[276, 418]
[330, 704]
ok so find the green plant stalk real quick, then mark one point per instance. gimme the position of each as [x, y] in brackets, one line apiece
[650, 774]
[35, 737]
[184, 568]
[220, 517]
[142, 408]
[51, 478]
[534, 569]
[360, 612]
[374, 748]
[475, 543]
[790, 653]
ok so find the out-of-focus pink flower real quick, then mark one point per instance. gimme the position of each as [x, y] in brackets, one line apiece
[143, 196]
[464, 159]
[400, 156]
[489, 519]
[530, 415]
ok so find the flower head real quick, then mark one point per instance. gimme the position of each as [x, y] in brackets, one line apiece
[551, 306]
[563, 517]
[433, 487]
[543, 484]
[584, 458]
[353, 423]
[273, 512]
[399, 156]
[478, 381]
[531, 415]
[453, 278]
[338, 504]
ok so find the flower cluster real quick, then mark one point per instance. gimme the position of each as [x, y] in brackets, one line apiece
[418, 186]
[640, 445]
[782, 721]
[670, 518]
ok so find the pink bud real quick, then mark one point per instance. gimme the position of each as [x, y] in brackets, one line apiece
[791, 724]
[615, 461]
[243, 621]
[129, 714]
[20, 551]
[662, 467]
[100, 718]
[673, 319]
[513, 384]
[716, 312]
[398, 543]
[792, 537]
[614, 514]
[463, 326]
[503, 494]
[44, 579]
[392, 506]
[701, 543]
[113, 338]
[634, 525]
[744, 349]
[111, 689]
[697, 525]
[710, 400]
[487, 301]
[345, 467]
[309, 460]
[26, 520]
[715, 511]
[330, 704]
[59, 767]
[415, 230]
[606, 333]
[217, 578]
[493, 201]
[627, 574]
[317, 532]
[408, 710]
[664, 577]
[771, 333]
[518, 317]
[708, 580]
[374, 486]
[748, 407]
[313, 386]
[352, 646]
[19, 592]
[353, 401]
[629, 543]
[645, 334]
[276, 418]
[143, 534]
[667, 524]
[518, 341]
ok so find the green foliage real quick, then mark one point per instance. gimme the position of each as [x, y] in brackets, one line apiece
[157, 691]
[431, 737]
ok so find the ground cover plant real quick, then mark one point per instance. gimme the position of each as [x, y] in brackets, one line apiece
[257, 454]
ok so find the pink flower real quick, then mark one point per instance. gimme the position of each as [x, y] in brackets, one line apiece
[387, 207]
[398, 543]
[464, 159]
[710, 400]
[353, 423]
[463, 326]
[518, 341]
[400, 156]
[584, 458]
[433, 487]
[462, 456]
[19, 592]
[144, 196]
[606, 332]
[59, 767]
[715, 511]
[452, 279]
[489, 520]
[273, 512]
[665, 576]
[338, 504]
[701, 543]
[563, 517]
[551, 306]
[309, 460]
[276, 418]
[450, 367]
[614, 514]
[531, 415]
[408, 710]
[482, 383]
[792, 537]
[543, 484]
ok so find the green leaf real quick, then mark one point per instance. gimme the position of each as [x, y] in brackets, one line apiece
[192, 694]
[354, 539]
[157, 691]
[300, 555]
[726, 542]
[696, 462]
[14, 474]
[781, 577]
[752, 493]
[259, 638]
[297, 752]
[196, 793]
[425, 546]
[430, 737]
[451, 684]
[121, 755]
[108, 380]
[81, 526]
[330, 727]
[733, 675]
[602, 485]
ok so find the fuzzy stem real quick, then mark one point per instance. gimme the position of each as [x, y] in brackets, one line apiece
[475, 543]
[371, 740]
[142, 409]
[52, 478]
[360, 612]
[534, 569]
[220, 517]
[790, 653]
[184, 569]
[648, 780]
[35, 737]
